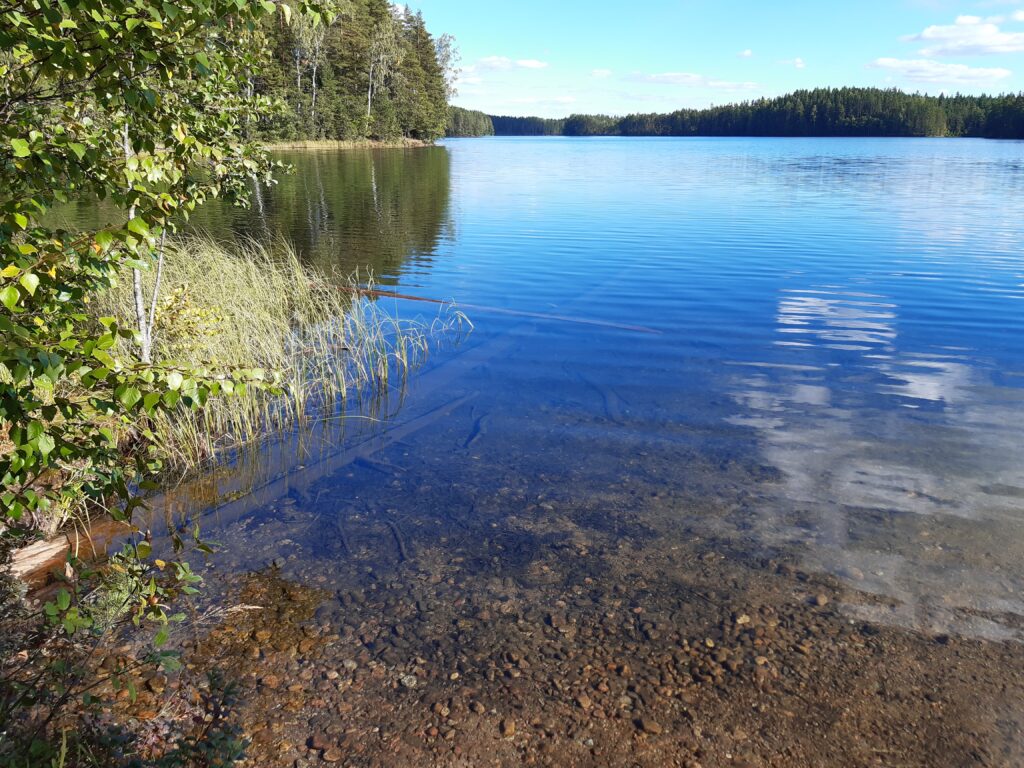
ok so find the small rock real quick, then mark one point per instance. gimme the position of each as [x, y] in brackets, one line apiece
[856, 574]
[333, 755]
[821, 600]
[647, 725]
[319, 742]
[583, 701]
[408, 681]
[270, 681]
[507, 728]
[477, 707]
[157, 683]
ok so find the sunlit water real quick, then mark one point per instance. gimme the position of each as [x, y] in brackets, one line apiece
[756, 350]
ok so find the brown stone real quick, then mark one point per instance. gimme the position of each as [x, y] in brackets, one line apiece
[647, 725]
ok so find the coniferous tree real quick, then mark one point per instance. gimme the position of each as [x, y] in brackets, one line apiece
[818, 112]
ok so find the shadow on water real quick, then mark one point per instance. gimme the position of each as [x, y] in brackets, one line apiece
[377, 211]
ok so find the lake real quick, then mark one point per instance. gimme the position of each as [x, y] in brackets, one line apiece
[729, 471]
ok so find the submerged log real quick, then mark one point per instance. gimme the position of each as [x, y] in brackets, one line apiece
[377, 293]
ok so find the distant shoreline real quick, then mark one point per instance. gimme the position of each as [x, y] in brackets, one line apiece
[351, 144]
[820, 112]
[733, 136]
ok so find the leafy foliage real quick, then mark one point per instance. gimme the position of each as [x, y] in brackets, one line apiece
[132, 101]
[138, 103]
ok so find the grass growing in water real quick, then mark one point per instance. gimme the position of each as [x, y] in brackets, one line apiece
[258, 306]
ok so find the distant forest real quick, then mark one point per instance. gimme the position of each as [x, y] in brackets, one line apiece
[818, 112]
[373, 72]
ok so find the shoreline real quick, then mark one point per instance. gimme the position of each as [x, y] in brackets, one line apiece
[349, 144]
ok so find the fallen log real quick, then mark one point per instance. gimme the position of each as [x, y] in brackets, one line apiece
[36, 563]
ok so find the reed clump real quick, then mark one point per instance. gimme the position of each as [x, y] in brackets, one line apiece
[256, 306]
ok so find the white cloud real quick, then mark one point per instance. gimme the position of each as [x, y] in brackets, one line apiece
[798, 63]
[745, 54]
[547, 101]
[674, 78]
[601, 73]
[490, 63]
[501, 63]
[969, 36]
[1018, 15]
[692, 80]
[940, 73]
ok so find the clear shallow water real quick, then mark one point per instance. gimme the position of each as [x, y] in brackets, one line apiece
[823, 367]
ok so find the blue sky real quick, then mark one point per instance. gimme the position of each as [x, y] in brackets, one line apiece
[552, 58]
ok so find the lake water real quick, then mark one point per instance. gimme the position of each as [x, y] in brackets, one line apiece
[730, 470]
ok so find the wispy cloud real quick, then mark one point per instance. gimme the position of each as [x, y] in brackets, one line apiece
[969, 36]
[542, 100]
[942, 73]
[692, 80]
[503, 63]
[746, 54]
[600, 73]
[796, 63]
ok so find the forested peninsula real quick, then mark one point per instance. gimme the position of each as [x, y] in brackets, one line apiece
[818, 112]
[372, 71]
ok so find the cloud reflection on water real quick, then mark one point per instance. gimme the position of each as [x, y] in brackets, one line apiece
[902, 471]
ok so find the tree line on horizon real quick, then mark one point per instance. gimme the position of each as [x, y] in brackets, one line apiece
[817, 112]
[370, 71]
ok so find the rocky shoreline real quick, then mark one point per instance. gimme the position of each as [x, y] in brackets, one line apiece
[542, 630]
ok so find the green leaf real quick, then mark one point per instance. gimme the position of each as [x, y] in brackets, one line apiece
[9, 297]
[174, 380]
[63, 600]
[78, 149]
[144, 549]
[150, 401]
[129, 396]
[138, 226]
[20, 147]
[29, 282]
[45, 444]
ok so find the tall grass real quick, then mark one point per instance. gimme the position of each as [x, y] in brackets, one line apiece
[258, 306]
